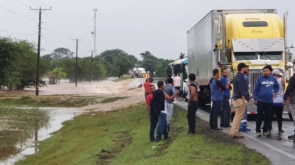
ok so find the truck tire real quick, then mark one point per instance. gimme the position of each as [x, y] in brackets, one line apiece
[290, 117]
[202, 100]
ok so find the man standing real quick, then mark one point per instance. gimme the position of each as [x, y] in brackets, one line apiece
[158, 108]
[146, 86]
[241, 95]
[290, 94]
[266, 89]
[243, 125]
[153, 118]
[216, 89]
[176, 82]
[170, 91]
[225, 112]
[193, 104]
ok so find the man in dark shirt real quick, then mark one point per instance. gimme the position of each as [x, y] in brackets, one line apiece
[241, 95]
[192, 103]
[225, 112]
[216, 89]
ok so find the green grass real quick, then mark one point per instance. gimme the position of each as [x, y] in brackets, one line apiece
[49, 101]
[125, 77]
[111, 99]
[121, 138]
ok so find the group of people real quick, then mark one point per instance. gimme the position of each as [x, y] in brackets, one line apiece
[160, 106]
[269, 97]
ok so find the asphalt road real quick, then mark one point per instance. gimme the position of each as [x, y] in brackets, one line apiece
[276, 148]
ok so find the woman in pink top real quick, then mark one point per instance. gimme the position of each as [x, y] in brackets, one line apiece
[176, 83]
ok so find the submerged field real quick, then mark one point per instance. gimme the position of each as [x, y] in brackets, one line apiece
[121, 137]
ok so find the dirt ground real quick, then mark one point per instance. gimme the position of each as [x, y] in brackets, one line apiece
[103, 89]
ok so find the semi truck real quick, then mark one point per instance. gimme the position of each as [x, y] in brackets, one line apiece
[224, 38]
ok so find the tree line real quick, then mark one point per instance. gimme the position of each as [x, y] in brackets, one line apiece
[18, 64]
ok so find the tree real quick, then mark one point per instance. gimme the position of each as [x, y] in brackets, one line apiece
[122, 65]
[56, 75]
[62, 53]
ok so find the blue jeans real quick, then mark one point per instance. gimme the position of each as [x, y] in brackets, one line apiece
[225, 113]
[215, 111]
[154, 122]
[162, 126]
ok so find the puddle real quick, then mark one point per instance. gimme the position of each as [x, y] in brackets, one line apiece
[57, 116]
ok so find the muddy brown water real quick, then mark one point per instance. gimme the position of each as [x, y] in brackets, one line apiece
[29, 147]
[57, 116]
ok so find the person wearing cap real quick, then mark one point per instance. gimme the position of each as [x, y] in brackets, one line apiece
[278, 106]
[266, 89]
[290, 95]
[241, 97]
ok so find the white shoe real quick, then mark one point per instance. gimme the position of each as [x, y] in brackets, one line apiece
[258, 134]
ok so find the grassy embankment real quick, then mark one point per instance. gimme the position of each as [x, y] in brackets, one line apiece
[121, 137]
[55, 101]
[17, 125]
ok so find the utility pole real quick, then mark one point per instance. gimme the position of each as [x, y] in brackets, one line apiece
[39, 45]
[77, 42]
[91, 67]
[94, 32]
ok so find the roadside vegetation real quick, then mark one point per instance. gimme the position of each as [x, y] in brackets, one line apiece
[16, 126]
[121, 137]
[111, 99]
[49, 101]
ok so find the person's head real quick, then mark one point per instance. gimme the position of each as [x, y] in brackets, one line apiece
[160, 85]
[276, 73]
[169, 76]
[267, 70]
[175, 74]
[169, 80]
[246, 71]
[242, 67]
[192, 77]
[152, 88]
[224, 73]
[147, 80]
[215, 73]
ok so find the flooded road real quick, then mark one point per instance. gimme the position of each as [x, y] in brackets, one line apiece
[28, 145]
[56, 117]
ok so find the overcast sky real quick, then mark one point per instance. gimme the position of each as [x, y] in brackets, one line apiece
[135, 26]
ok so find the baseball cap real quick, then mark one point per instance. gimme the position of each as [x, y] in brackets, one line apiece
[276, 72]
[242, 65]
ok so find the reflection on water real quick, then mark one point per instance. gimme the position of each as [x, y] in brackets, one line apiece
[10, 154]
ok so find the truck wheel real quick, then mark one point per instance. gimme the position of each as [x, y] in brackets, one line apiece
[290, 117]
[202, 100]
[232, 115]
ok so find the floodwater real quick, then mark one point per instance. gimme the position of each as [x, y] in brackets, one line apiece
[57, 117]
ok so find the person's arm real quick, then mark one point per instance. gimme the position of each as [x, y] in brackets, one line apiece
[241, 88]
[290, 88]
[256, 90]
[220, 85]
[167, 97]
[283, 83]
[276, 87]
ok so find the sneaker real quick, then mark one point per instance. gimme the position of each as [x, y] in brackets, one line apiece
[191, 132]
[267, 133]
[157, 140]
[168, 138]
[281, 131]
[258, 134]
[291, 137]
[152, 140]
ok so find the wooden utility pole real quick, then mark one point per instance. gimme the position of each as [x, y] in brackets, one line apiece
[39, 45]
[77, 45]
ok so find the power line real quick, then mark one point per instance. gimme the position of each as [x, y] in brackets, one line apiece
[55, 23]
[16, 32]
[61, 22]
[17, 13]
[54, 35]
[47, 41]
[42, 3]
[22, 3]
[34, 2]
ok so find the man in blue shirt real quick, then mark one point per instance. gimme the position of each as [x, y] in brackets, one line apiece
[225, 112]
[266, 89]
[216, 89]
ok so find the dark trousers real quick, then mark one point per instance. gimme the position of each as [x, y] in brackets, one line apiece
[191, 115]
[154, 122]
[278, 110]
[225, 113]
[215, 111]
[162, 126]
[264, 112]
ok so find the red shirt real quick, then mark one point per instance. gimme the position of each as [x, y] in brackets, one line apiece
[149, 99]
[147, 86]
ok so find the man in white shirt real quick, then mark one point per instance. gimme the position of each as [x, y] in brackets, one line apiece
[176, 83]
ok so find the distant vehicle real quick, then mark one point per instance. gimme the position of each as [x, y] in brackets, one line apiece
[138, 72]
[224, 38]
[180, 67]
